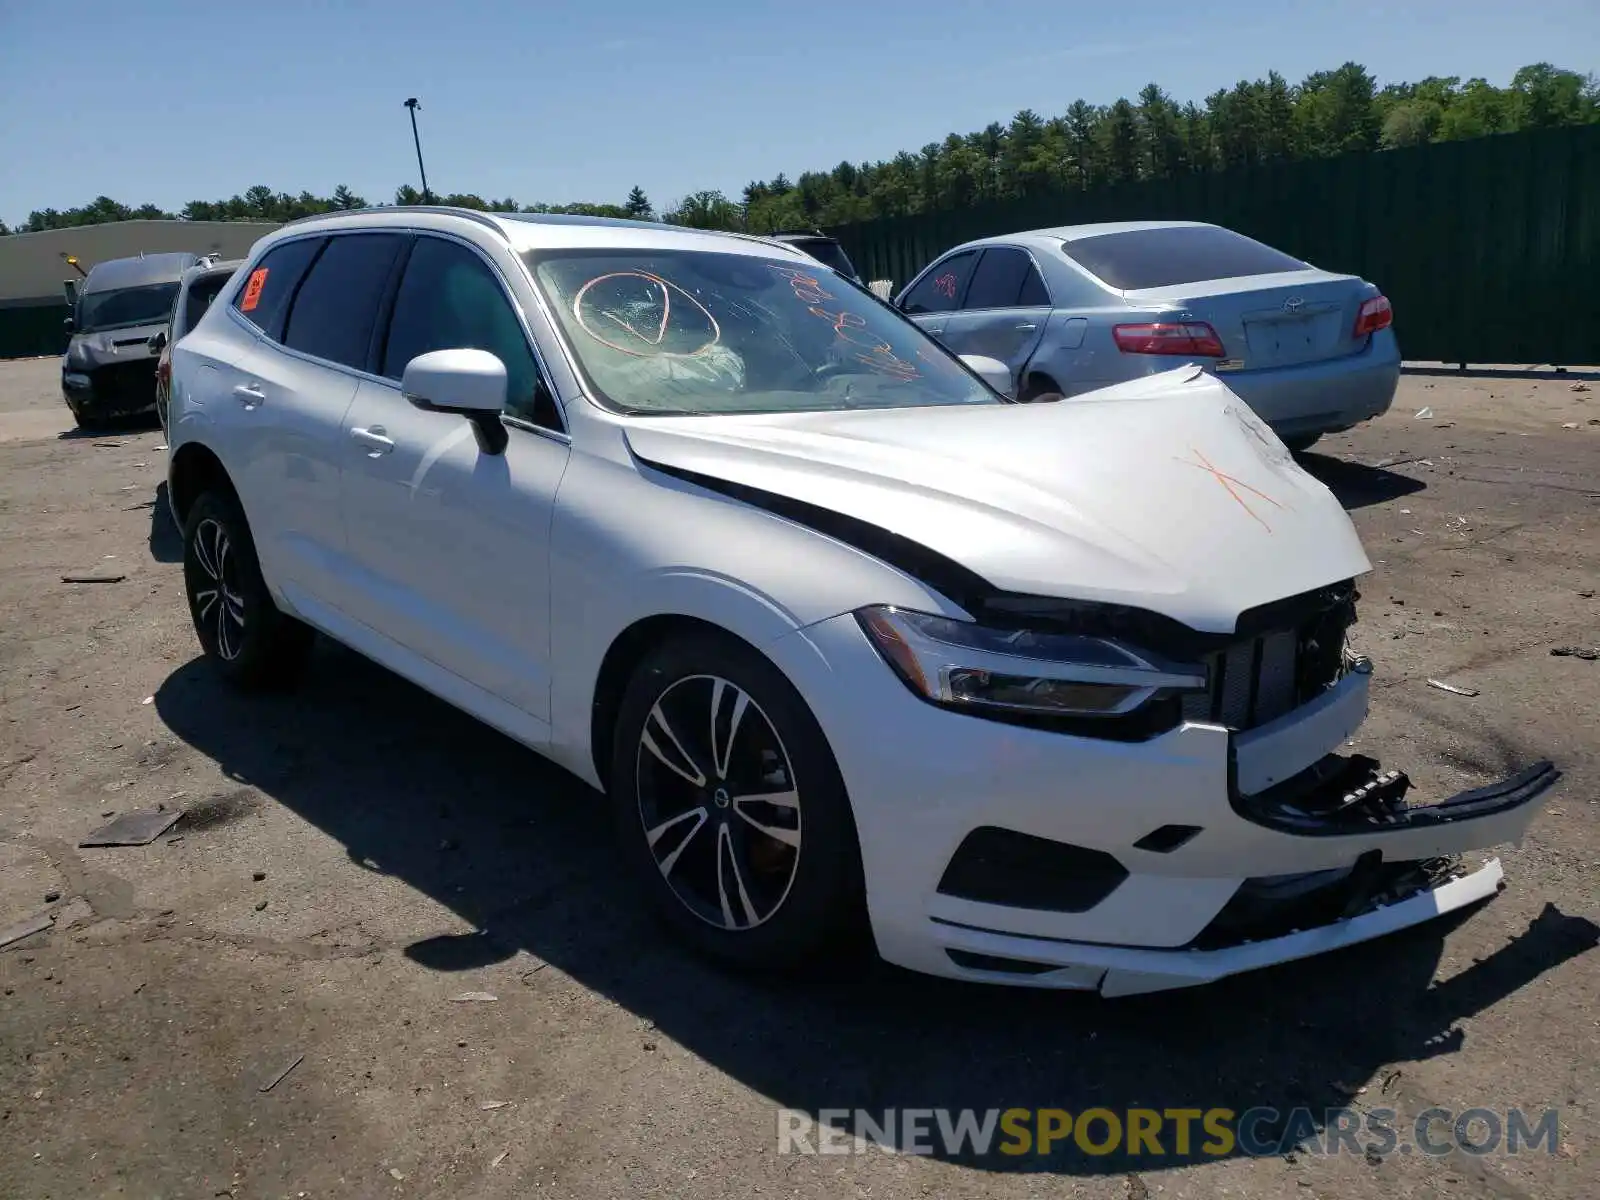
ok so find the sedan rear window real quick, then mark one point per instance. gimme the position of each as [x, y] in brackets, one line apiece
[1150, 258]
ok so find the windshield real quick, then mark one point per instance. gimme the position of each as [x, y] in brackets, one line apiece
[694, 332]
[122, 307]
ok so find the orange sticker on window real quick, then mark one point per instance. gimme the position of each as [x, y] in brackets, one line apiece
[252, 289]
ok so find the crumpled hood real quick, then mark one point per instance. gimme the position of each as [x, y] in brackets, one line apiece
[1165, 493]
[87, 351]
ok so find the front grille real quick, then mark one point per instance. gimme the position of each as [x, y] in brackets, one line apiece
[125, 385]
[1258, 679]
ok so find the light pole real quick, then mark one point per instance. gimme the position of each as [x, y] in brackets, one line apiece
[427, 197]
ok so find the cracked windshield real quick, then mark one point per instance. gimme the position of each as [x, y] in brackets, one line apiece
[700, 333]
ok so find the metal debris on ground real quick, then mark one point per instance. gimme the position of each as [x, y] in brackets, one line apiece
[498, 1159]
[1580, 387]
[1425, 413]
[1452, 688]
[490, 1105]
[1588, 653]
[469, 997]
[1569, 424]
[138, 828]
[397, 1173]
[24, 929]
[279, 1077]
[93, 578]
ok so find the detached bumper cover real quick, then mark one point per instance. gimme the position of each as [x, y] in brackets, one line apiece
[1379, 898]
[1127, 971]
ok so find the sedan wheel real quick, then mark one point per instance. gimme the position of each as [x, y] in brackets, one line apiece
[730, 808]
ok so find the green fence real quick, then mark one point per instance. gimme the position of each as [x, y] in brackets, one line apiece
[27, 330]
[1489, 249]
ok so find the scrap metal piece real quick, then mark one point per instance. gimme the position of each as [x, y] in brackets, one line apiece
[138, 828]
[24, 929]
[1452, 688]
[93, 578]
[279, 1077]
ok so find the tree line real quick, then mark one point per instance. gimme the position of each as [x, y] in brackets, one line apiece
[1086, 146]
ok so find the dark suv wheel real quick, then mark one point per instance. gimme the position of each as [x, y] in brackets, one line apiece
[240, 629]
[730, 809]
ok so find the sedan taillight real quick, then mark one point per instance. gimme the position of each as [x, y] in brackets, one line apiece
[1375, 314]
[1193, 338]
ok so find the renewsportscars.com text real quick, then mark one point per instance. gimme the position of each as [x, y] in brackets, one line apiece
[1166, 1132]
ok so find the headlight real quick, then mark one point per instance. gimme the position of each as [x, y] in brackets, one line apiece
[961, 664]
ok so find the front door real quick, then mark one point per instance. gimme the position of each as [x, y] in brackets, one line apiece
[451, 545]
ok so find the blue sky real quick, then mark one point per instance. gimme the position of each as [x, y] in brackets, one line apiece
[171, 100]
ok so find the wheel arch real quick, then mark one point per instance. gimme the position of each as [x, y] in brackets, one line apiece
[195, 470]
[627, 650]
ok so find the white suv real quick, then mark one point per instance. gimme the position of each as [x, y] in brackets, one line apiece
[1042, 693]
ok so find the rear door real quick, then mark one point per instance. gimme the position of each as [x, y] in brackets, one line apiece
[450, 545]
[1004, 311]
[315, 306]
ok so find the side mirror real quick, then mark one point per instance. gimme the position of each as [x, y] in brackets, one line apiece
[991, 370]
[69, 324]
[469, 382]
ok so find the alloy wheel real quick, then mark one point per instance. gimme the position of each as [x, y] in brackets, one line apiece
[215, 595]
[719, 802]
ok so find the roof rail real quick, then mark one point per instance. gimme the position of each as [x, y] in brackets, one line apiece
[482, 218]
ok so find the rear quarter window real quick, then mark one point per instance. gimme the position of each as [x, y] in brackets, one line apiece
[269, 285]
[1151, 258]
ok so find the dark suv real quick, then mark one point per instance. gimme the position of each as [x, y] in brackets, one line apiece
[820, 246]
[109, 369]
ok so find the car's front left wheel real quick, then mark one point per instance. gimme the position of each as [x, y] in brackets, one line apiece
[730, 808]
[241, 630]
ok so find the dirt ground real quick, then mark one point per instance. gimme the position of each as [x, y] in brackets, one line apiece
[354, 856]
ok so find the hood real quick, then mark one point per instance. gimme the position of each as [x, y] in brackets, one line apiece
[1166, 493]
[87, 351]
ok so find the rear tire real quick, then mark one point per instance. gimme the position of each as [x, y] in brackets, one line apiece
[246, 638]
[706, 725]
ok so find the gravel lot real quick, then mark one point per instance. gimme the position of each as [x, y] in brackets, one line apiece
[355, 855]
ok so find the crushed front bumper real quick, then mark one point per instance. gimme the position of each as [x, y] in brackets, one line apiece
[1001, 853]
[1282, 918]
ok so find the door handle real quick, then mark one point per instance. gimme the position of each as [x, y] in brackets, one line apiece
[374, 439]
[1027, 325]
[249, 395]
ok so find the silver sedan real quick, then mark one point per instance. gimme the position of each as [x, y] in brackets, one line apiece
[1081, 307]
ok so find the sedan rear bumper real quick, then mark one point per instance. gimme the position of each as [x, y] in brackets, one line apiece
[1323, 397]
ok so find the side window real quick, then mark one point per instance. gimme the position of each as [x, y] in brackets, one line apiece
[269, 285]
[941, 287]
[1034, 294]
[337, 305]
[201, 293]
[449, 299]
[998, 280]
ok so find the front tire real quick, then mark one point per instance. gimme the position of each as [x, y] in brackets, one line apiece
[244, 635]
[730, 810]
[1301, 442]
